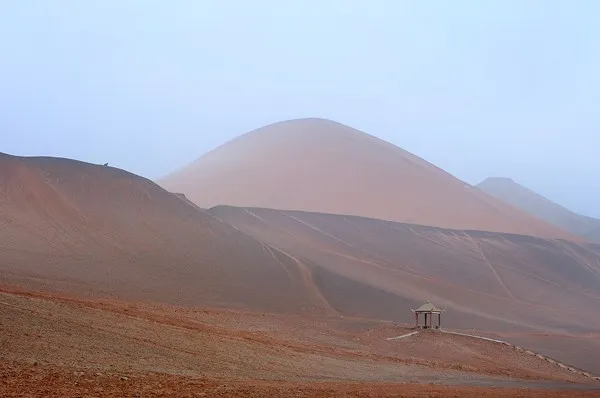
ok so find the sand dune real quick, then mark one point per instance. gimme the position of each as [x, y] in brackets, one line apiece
[77, 227]
[525, 199]
[323, 166]
[95, 231]
[503, 278]
[487, 281]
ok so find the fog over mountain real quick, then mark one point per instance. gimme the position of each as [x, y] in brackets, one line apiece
[280, 198]
[501, 88]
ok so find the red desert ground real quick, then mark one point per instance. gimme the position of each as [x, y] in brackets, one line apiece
[286, 263]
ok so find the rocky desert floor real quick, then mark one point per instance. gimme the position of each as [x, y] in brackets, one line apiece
[58, 346]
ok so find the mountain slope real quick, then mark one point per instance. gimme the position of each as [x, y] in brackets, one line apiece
[525, 199]
[92, 230]
[82, 228]
[323, 166]
[491, 276]
[370, 268]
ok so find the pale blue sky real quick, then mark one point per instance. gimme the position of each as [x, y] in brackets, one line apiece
[480, 88]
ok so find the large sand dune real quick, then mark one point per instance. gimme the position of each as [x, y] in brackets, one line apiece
[77, 227]
[323, 166]
[525, 199]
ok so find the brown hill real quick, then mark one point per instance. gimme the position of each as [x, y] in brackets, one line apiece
[72, 226]
[527, 200]
[323, 166]
[93, 230]
[487, 281]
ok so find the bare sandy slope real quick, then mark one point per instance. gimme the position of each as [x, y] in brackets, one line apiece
[323, 166]
[487, 281]
[97, 231]
[77, 227]
[59, 346]
[525, 199]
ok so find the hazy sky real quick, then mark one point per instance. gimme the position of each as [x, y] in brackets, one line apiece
[480, 88]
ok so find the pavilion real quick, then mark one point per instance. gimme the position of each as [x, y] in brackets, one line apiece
[429, 310]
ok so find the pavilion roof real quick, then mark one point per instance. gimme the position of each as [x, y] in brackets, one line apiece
[428, 307]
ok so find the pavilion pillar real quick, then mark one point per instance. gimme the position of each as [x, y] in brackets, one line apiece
[431, 326]
[416, 320]
[440, 320]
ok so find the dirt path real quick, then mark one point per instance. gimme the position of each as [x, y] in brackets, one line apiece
[493, 269]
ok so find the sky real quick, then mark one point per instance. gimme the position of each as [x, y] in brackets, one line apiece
[505, 88]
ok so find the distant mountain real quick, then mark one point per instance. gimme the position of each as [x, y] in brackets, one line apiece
[319, 165]
[534, 203]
